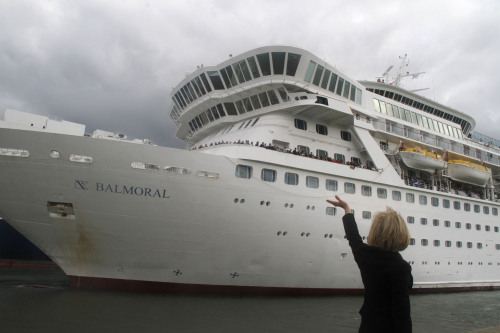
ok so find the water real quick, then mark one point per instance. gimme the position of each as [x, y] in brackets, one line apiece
[40, 300]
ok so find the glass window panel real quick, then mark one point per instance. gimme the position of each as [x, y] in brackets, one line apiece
[215, 113]
[321, 153]
[339, 158]
[331, 185]
[326, 77]
[268, 175]
[221, 110]
[312, 182]
[333, 82]
[200, 85]
[253, 67]
[216, 80]
[321, 129]
[283, 94]
[410, 197]
[366, 190]
[239, 73]
[340, 85]
[292, 63]
[291, 178]
[263, 99]
[303, 149]
[414, 118]
[431, 126]
[346, 89]
[195, 87]
[440, 125]
[243, 171]
[376, 104]
[205, 82]
[396, 195]
[210, 116]
[425, 121]
[388, 108]
[318, 74]
[265, 65]
[419, 120]
[231, 75]
[310, 70]
[445, 128]
[395, 110]
[300, 124]
[278, 62]
[245, 70]
[383, 109]
[240, 107]
[359, 94]
[353, 94]
[255, 102]
[408, 116]
[272, 97]
[422, 199]
[349, 188]
[231, 109]
[248, 104]
[382, 193]
[225, 76]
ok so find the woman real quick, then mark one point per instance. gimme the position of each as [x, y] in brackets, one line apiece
[386, 275]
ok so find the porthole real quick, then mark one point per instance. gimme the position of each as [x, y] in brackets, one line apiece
[262, 203]
[55, 154]
[242, 200]
[268, 203]
[286, 205]
[236, 200]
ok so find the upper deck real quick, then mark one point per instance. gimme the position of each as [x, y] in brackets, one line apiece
[253, 83]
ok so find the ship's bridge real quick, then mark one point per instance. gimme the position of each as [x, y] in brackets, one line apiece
[253, 83]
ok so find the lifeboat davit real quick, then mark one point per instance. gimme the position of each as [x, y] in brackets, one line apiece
[468, 172]
[418, 158]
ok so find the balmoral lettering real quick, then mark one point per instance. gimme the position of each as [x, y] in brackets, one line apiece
[132, 190]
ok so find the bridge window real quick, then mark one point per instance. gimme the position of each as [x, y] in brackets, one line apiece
[265, 65]
[278, 62]
[253, 67]
[292, 63]
[216, 80]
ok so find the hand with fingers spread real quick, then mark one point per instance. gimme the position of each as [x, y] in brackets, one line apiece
[340, 203]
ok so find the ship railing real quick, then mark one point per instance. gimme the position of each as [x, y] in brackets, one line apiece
[475, 151]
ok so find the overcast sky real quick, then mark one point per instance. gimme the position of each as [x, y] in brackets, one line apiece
[112, 64]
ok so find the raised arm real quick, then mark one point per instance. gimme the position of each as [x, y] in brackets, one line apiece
[340, 203]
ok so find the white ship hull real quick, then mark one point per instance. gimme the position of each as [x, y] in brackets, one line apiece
[192, 232]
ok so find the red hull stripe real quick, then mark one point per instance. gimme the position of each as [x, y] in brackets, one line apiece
[182, 288]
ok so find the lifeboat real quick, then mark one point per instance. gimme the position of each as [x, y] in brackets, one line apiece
[468, 172]
[418, 158]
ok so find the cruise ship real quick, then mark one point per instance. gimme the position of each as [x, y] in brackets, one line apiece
[271, 134]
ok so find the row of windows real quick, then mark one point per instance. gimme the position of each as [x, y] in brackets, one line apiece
[447, 224]
[448, 243]
[320, 129]
[466, 126]
[239, 107]
[270, 175]
[325, 79]
[277, 63]
[417, 119]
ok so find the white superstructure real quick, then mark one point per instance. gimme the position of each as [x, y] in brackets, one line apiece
[272, 134]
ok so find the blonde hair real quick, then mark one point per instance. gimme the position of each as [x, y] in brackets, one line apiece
[389, 231]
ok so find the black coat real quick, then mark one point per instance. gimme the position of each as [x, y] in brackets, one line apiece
[387, 279]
